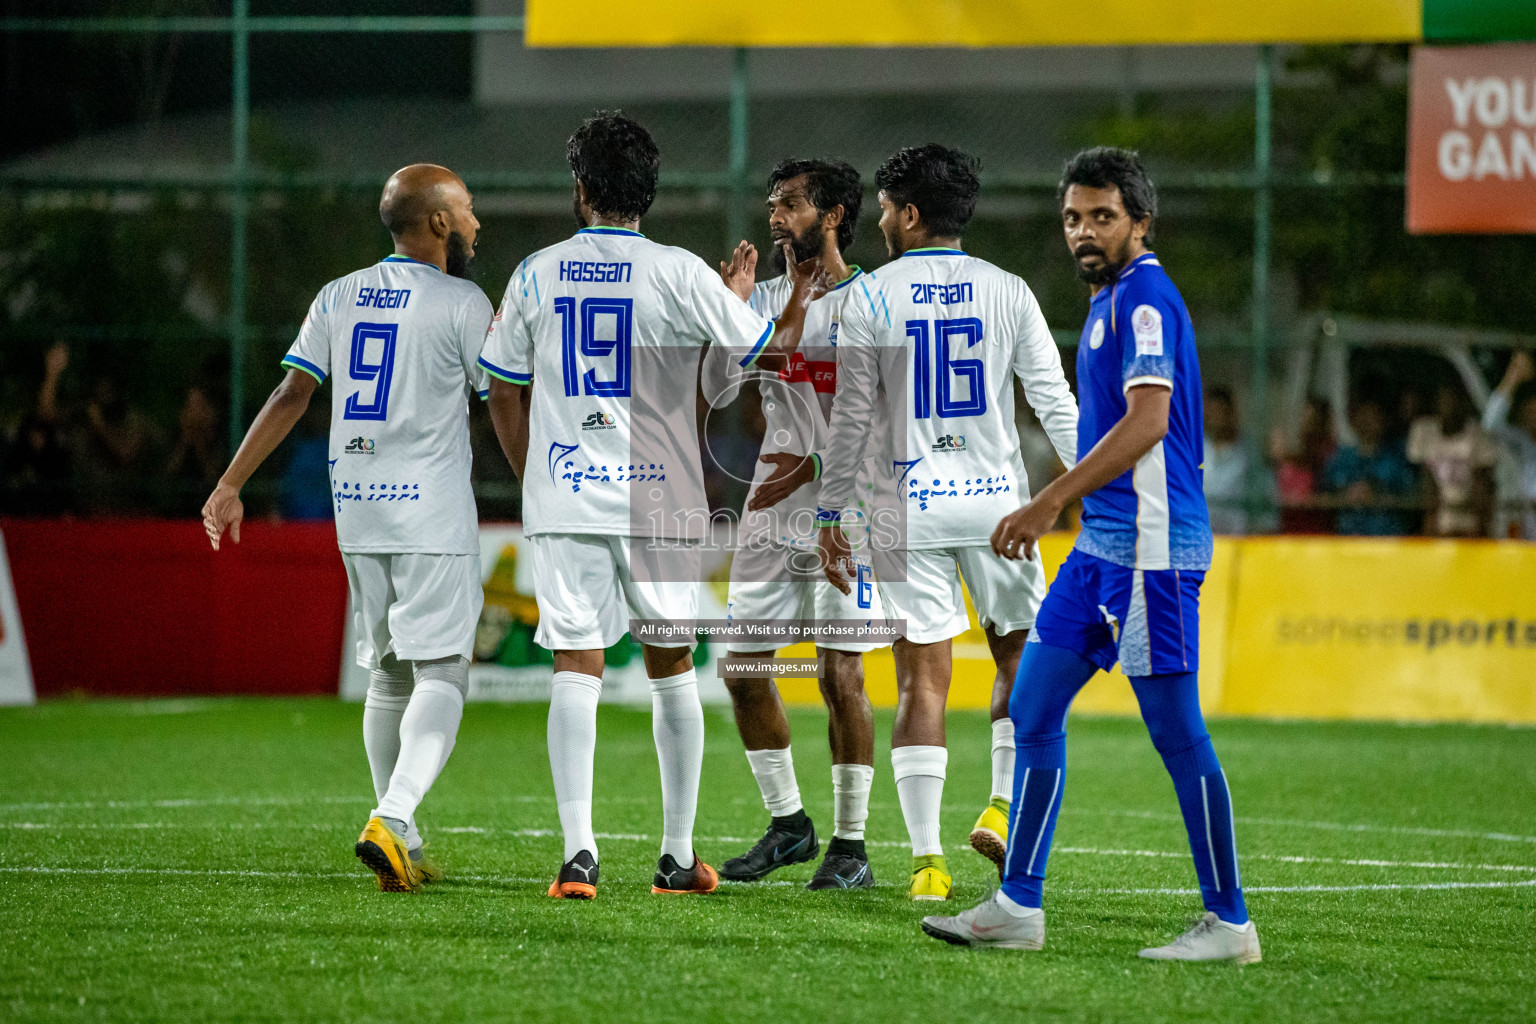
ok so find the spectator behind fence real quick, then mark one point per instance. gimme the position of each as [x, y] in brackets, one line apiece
[1299, 471]
[1517, 507]
[1228, 474]
[1370, 474]
[195, 464]
[1458, 458]
[111, 451]
[36, 470]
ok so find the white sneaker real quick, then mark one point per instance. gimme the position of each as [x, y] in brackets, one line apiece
[1211, 939]
[989, 923]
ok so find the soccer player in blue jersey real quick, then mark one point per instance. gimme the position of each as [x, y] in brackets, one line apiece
[1130, 589]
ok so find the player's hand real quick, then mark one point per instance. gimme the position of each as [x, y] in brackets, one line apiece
[790, 473]
[836, 556]
[223, 510]
[807, 278]
[741, 272]
[56, 360]
[1521, 369]
[1016, 534]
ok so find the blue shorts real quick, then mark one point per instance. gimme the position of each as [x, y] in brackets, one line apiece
[1146, 619]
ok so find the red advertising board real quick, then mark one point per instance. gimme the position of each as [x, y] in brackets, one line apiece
[1472, 140]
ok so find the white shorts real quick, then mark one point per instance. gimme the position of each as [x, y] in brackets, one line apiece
[1005, 593]
[802, 597]
[416, 607]
[588, 588]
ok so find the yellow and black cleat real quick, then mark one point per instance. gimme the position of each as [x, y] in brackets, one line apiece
[930, 878]
[386, 856]
[990, 836]
[431, 870]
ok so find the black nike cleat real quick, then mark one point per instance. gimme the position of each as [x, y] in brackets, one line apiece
[787, 841]
[846, 867]
[577, 879]
[671, 879]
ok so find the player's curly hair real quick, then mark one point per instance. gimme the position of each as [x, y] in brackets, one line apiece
[939, 181]
[832, 183]
[617, 163]
[1103, 166]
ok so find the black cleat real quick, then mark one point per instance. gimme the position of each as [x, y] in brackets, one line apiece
[577, 879]
[671, 879]
[845, 867]
[787, 841]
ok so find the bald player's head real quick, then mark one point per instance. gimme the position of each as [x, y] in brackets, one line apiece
[430, 213]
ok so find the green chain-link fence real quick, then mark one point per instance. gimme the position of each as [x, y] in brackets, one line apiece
[228, 162]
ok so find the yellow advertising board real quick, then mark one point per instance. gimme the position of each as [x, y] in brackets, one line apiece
[1106, 693]
[968, 22]
[1391, 628]
[1398, 629]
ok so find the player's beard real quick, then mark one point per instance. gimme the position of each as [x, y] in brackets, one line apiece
[805, 245]
[581, 222]
[1107, 270]
[459, 256]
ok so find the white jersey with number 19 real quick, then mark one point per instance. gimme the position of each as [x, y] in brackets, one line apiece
[608, 328]
[401, 339]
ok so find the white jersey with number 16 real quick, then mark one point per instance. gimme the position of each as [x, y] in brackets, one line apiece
[944, 334]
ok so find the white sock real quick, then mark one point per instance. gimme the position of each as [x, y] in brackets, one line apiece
[389, 692]
[427, 731]
[1014, 908]
[774, 771]
[677, 725]
[850, 799]
[572, 745]
[1002, 759]
[919, 774]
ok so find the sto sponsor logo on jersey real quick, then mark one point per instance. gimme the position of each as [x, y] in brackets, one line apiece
[950, 443]
[598, 421]
[1096, 336]
[359, 446]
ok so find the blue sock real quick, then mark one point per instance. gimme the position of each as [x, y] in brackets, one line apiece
[1047, 681]
[1170, 705]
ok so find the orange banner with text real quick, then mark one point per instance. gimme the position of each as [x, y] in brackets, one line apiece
[1472, 140]
[1398, 629]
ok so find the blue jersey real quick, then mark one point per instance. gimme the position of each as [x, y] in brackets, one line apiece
[1153, 516]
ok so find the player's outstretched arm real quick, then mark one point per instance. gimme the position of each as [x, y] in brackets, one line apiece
[1145, 423]
[509, 404]
[223, 509]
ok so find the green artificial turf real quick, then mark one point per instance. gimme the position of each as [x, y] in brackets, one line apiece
[192, 860]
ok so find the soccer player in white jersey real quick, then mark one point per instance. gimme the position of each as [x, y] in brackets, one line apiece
[813, 207]
[594, 357]
[400, 339]
[944, 334]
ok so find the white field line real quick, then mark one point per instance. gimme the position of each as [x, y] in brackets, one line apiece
[222, 801]
[240, 801]
[1289, 859]
[1332, 826]
[1375, 887]
[547, 833]
[507, 879]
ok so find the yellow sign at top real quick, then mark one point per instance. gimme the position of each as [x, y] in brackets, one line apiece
[622, 23]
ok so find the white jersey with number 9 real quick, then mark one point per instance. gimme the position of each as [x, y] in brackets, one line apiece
[399, 342]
